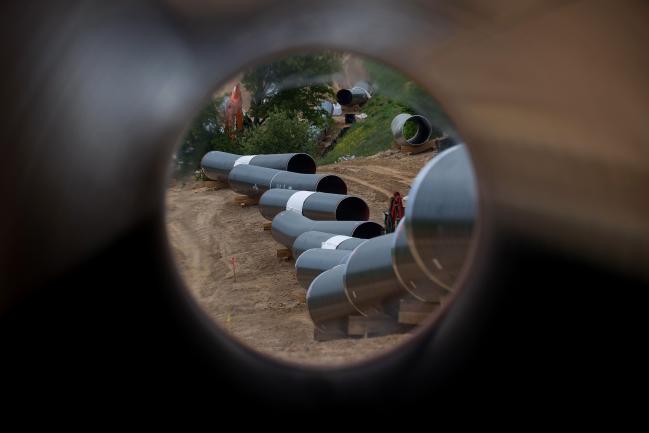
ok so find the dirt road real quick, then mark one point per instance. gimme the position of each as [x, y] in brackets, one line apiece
[265, 308]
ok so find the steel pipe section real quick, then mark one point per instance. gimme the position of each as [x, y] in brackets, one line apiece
[363, 285]
[357, 95]
[315, 261]
[441, 211]
[427, 251]
[254, 181]
[314, 205]
[217, 165]
[409, 273]
[424, 129]
[326, 299]
[316, 239]
[288, 225]
[370, 279]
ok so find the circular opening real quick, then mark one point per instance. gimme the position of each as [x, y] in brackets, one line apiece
[301, 163]
[416, 130]
[368, 230]
[344, 96]
[410, 129]
[240, 267]
[332, 184]
[352, 209]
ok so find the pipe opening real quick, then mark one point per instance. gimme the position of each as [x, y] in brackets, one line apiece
[352, 209]
[331, 184]
[368, 230]
[301, 163]
[344, 97]
[416, 130]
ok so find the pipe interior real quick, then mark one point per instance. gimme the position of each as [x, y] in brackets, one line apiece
[423, 131]
[352, 209]
[301, 163]
[344, 97]
[368, 230]
[331, 184]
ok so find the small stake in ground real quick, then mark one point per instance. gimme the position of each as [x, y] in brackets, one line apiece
[234, 268]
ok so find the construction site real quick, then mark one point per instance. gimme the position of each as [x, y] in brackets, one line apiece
[310, 261]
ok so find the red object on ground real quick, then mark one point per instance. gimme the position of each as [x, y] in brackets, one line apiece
[234, 112]
[396, 210]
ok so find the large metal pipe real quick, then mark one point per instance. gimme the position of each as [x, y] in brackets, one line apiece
[409, 273]
[357, 95]
[316, 239]
[217, 165]
[288, 225]
[314, 205]
[426, 253]
[254, 181]
[315, 261]
[441, 210]
[424, 129]
[325, 300]
[370, 278]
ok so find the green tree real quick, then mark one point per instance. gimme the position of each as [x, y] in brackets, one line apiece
[282, 132]
[296, 84]
[205, 134]
[392, 84]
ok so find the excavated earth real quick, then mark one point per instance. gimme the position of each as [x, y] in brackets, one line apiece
[265, 308]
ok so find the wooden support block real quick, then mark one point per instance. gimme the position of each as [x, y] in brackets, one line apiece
[412, 150]
[215, 184]
[332, 331]
[244, 200]
[284, 253]
[267, 225]
[413, 312]
[373, 326]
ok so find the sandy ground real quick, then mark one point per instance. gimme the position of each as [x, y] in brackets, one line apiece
[265, 308]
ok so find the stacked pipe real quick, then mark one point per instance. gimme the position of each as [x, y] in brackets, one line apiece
[423, 258]
[217, 165]
[287, 226]
[345, 261]
[302, 204]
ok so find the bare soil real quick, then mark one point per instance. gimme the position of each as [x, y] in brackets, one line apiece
[265, 308]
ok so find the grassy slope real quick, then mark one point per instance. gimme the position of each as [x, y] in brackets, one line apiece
[369, 136]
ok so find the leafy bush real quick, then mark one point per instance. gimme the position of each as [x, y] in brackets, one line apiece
[281, 132]
[392, 84]
[298, 83]
[205, 134]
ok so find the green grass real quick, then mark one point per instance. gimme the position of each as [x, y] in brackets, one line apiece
[369, 136]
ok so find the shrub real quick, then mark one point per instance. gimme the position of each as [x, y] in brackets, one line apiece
[281, 132]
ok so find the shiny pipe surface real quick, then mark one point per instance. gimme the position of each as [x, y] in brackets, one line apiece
[326, 298]
[315, 261]
[314, 205]
[442, 206]
[254, 181]
[316, 239]
[217, 165]
[411, 276]
[288, 225]
[369, 277]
